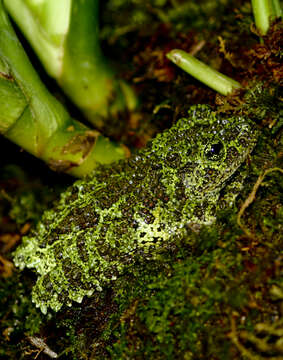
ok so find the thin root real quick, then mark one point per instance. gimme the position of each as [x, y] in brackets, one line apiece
[251, 198]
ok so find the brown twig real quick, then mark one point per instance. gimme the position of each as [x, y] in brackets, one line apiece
[251, 198]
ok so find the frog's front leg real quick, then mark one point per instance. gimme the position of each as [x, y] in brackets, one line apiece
[204, 212]
[232, 189]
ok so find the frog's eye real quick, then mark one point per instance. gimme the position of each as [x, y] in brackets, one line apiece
[214, 151]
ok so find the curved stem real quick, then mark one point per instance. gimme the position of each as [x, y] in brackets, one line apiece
[264, 10]
[32, 118]
[204, 73]
[71, 53]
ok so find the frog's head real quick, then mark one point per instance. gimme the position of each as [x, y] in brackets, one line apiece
[209, 148]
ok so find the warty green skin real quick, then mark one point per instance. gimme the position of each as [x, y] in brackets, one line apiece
[136, 208]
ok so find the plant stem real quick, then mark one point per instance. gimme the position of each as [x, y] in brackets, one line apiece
[264, 10]
[204, 73]
[32, 118]
[65, 36]
[277, 11]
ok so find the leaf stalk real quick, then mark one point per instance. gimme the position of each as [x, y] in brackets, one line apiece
[204, 73]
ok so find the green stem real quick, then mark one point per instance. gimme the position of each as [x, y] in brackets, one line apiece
[264, 10]
[277, 11]
[65, 36]
[32, 118]
[204, 73]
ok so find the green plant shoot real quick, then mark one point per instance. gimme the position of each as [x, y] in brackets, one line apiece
[32, 118]
[264, 11]
[204, 73]
[65, 36]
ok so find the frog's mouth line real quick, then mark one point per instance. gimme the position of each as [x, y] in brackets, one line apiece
[242, 157]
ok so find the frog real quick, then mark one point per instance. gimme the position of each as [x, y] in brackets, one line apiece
[136, 208]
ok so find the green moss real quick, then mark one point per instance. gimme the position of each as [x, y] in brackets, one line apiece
[18, 315]
[24, 197]
[178, 311]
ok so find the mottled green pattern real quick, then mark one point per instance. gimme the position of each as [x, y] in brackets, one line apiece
[136, 209]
